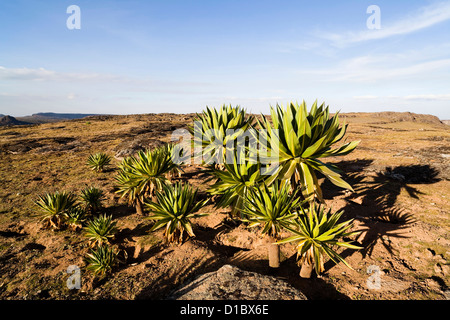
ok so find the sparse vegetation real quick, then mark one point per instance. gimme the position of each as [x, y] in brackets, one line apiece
[389, 241]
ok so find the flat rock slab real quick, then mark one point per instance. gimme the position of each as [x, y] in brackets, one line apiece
[132, 146]
[232, 283]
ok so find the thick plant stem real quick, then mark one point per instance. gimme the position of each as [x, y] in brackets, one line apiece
[306, 270]
[139, 210]
[274, 254]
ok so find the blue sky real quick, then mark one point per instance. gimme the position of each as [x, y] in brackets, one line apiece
[179, 56]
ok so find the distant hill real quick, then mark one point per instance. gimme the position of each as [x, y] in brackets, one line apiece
[446, 122]
[65, 116]
[390, 116]
[45, 117]
[11, 121]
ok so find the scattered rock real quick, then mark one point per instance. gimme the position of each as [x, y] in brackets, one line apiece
[134, 145]
[429, 253]
[447, 294]
[232, 283]
[437, 268]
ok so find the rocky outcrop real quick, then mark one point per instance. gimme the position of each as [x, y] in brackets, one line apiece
[232, 283]
[11, 121]
[390, 116]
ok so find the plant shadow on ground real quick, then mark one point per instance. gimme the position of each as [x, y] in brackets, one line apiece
[314, 288]
[374, 200]
[207, 236]
[119, 211]
[165, 283]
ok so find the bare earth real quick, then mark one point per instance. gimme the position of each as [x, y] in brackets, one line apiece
[400, 173]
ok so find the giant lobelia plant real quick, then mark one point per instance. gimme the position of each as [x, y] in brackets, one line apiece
[302, 139]
[273, 208]
[142, 175]
[318, 232]
[54, 206]
[237, 178]
[174, 209]
[215, 131]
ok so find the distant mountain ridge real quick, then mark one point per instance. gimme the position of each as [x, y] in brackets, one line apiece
[45, 117]
[65, 116]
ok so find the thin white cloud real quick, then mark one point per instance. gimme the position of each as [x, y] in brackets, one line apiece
[423, 18]
[376, 68]
[365, 97]
[406, 98]
[32, 76]
[429, 97]
[42, 74]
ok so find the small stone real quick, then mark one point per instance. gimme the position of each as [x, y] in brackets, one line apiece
[437, 268]
[447, 294]
[429, 253]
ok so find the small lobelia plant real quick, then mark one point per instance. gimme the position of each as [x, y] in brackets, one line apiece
[100, 230]
[302, 139]
[75, 217]
[142, 175]
[273, 208]
[317, 233]
[176, 207]
[101, 260]
[170, 150]
[98, 161]
[53, 207]
[91, 198]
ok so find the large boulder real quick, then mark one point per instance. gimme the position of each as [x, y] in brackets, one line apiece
[232, 283]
